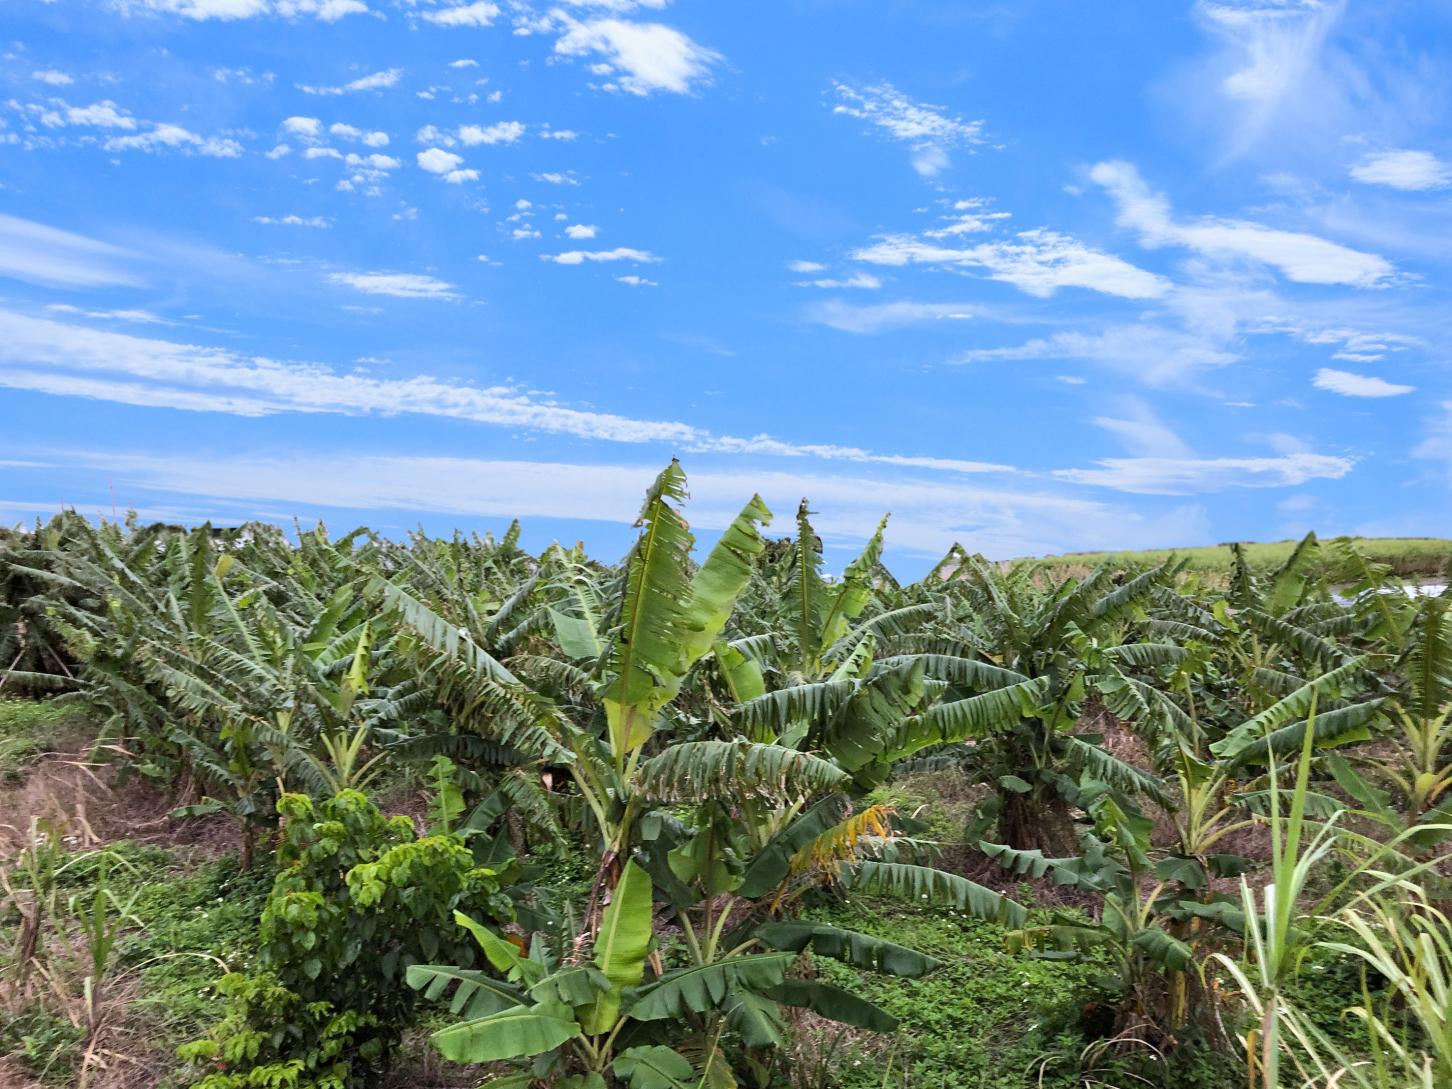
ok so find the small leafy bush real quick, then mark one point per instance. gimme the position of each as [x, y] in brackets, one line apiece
[357, 900]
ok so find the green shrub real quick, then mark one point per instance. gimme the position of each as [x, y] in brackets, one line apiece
[46, 1044]
[357, 899]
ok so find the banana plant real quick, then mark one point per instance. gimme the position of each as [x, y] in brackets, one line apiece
[1408, 784]
[622, 1017]
[659, 622]
[1020, 663]
[1155, 918]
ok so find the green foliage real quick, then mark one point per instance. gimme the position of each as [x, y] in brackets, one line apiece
[28, 728]
[44, 1043]
[1409, 557]
[648, 768]
[358, 899]
[989, 1019]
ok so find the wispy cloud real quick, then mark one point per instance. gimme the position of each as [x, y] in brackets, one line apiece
[293, 221]
[1037, 262]
[327, 11]
[844, 316]
[1153, 354]
[1402, 169]
[66, 359]
[401, 285]
[927, 130]
[1193, 476]
[861, 280]
[927, 516]
[376, 82]
[1357, 385]
[43, 255]
[1271, 74]
[620, 253]
[1303, 258]
[135, 317]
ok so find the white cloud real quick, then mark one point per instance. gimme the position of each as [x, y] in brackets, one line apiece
[1304, 258]
[349, 132]
[558, 134]
[637, 281]
[926, 129]
[480, 13]
[104, 115]
[1352, 345]
[53, 77]
[581, 231]
[455, 177]
[641, 58]
[928, 516]
[1153, 354]
[373, 162]
[401, 285]
[843, 316]
[807, 266]
[1039, 262]
[1357, 385]
[1185, 476]
[969, 217]
[377, 81]
[618, 7]
[322, 153]
[136, 317]
[464, 62]
[327, 11]
[278, 152]
[43, 255]
[1142, 432]
[304, 128]
[432, 134]
[1279, 42]
[620, 253]
[294, 221]
[1411, 170]
[554, 177]
[438, 161]
[1272, 72]
[64, 359]
[175, 138]
[501, 132]
[864, 280]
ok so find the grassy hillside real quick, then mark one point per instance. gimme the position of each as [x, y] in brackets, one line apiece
[1410, 557]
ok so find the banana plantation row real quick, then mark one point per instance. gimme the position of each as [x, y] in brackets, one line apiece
[709, 739]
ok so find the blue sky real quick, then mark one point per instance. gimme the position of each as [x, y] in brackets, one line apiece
[1032, 276]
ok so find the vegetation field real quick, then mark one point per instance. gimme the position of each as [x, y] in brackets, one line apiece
[328, 812]
[1409, 557]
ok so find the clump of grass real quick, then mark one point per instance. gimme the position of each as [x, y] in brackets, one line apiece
[43, 1043]
[183, 926]
[30, 727]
